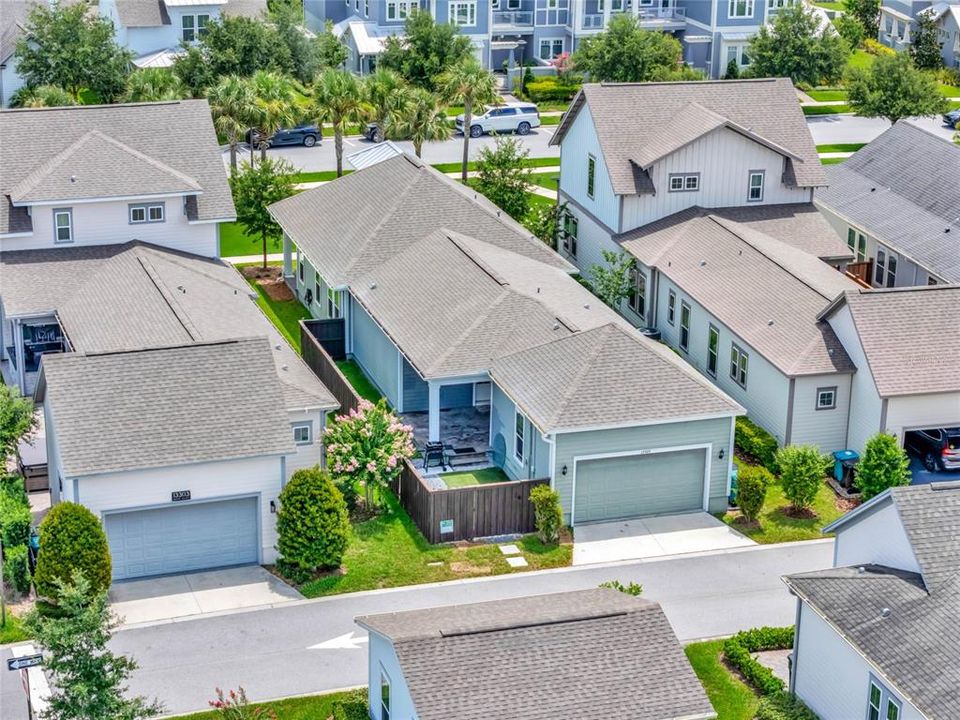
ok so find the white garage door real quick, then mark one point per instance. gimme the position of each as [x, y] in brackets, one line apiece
[180, 538]
[637, 485]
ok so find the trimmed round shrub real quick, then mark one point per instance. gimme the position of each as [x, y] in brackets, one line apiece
[71, 539]
[752, 484]
[548, 515]
[884, 465]
[16, 568]
[313, 527]
[802, 470]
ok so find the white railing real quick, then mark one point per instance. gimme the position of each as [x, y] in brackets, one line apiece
[513, 17]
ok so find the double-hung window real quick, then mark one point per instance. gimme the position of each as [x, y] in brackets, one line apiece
[550, 48]
[384, 695]
[684, 326]
[881, 703]
[463, 13]
[858, 243]
[885, 271]
[684, 182]
[570, 229]
[827, 398]
[152, 213]
[400, 9]
[591, 175]
[672, 307]
[63, 225]
[638, 292]
[755, 188]
[738, 365]
[519, 432]
[713, 349]
[740, 8]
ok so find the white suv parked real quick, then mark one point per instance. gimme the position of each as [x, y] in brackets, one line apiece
[518, 118]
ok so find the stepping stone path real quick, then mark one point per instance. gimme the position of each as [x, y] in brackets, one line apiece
[516, 562]
[509, 549]
[514, 558]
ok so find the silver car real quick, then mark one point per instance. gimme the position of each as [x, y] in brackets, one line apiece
[517, 117]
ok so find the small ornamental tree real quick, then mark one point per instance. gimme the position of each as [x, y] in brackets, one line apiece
[884, 465]
[366, 447]
[502, 176]
[752, 484]
[893, 88]
[548, 515]
[612, 283]
[925, 43]
[312, 523]
[71, 540]
[631, 588]
[234, 705]
[257, 187]
[802, 469]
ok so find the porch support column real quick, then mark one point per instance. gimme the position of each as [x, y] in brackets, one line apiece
[606, 13]
[18, 350]
[434, 412]
[287, 256]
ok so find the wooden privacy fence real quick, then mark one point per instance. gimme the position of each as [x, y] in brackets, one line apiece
[442, 515]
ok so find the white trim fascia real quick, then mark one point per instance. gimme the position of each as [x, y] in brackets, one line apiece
[235, 458]
[698, 24]
[707, 465]
[118, 198]
[4, 236]
[212, 220]
[646, 423]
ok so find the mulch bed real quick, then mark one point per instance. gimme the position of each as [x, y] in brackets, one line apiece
[271, 280]
[798, 513]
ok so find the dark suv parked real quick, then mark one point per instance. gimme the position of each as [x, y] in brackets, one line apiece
[938, 448]
[307, 135]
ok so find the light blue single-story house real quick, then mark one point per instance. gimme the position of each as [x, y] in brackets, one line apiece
[489, 345]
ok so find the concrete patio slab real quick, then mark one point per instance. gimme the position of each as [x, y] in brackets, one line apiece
[653, 537]
[175, 596]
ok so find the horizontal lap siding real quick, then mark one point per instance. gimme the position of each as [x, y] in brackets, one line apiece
[827, 429]
[648, 437]
[374, 352]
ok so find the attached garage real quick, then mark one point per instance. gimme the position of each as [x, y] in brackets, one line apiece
[183, 537]
[640, 484]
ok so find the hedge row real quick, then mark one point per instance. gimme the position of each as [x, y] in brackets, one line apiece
[776, 703]
[15, 523]
[352, 709]
[753, 440]
[548, 89]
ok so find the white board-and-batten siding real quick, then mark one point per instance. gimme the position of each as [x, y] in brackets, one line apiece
[876, 537]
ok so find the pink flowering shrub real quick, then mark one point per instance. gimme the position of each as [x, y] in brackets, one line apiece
[233, 705]
[364, 450]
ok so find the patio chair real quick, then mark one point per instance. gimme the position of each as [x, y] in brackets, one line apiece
[434, 452]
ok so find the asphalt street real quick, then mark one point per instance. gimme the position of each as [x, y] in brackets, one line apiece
[826, 129]
[268, 651]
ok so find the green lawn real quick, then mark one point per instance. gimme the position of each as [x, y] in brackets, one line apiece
[234, 241]
[831, 161]
[310, 707]
[860, 59]
[839, 147]
[776, 527]
[828, 95]
[730, 697]
[360, 382]
[389, 551]
[13, 631]
[547, 180]
[529, 162]
[320, 176]
[825, 109]
[474, 477]
[826, 5]
[285, 314]
[950, 91]
[551, 119]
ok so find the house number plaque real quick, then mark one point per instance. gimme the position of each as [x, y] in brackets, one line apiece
[178, 495]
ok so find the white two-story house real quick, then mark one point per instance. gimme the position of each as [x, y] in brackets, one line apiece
[154, 30]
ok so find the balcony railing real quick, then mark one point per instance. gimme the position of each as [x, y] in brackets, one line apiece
[594, 21]
[513, 18]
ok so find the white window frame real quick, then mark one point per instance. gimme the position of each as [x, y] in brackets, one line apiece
[591, 176]
[827, 392]
[470, 9]
[301, 426]
[689, 182]
[739, 365]
[637, 300]
[762, 174]
[885, 702]
[148, 209]
[317, 284]
[672, 307]
[683, 337]
[385, 683]
[57, 213]
[401, 9]
[734, 7]
[571, 231]
[713, 349]
[519, 435]
[551, 44]
[334, 310]
[197, 30]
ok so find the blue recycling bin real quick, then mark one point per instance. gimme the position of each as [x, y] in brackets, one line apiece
[732, 499]
[844, 462]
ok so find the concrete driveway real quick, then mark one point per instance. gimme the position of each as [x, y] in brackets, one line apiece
[170, 597]
[653, 537]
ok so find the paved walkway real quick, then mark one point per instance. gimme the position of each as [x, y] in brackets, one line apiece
[653, 537]
[244, 259]
[172, 597]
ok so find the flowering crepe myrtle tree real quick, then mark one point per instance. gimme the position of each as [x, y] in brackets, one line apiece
[365, 448]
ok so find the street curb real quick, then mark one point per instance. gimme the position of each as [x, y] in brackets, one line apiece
[470, 581]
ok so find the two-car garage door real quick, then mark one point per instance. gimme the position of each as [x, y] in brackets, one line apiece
[657, 483]
[180, 538]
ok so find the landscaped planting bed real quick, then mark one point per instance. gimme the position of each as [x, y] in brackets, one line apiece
[333, 706]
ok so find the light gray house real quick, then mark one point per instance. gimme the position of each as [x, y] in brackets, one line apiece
[896, 201]
[453, 329]
[877, 636]
[590, 654]
[898, 22]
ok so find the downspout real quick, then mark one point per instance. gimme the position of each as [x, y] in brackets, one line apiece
[796, 646]
[551, 441]
[883, 415]
[788, 432]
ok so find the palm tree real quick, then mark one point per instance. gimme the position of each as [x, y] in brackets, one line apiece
[470, 84]
[425, 120]
[338, 97]
[234, 107]
[276, 105]
[154, 84]
[389, 97]
[41, 96]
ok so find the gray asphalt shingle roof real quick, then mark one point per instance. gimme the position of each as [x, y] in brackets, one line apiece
[902, 334]
[638, 123]
[765, 291]
[14, 15]
[372, 215]
[98, 151]
[165, 406]
[153, 13]
[902, 188]
[931, 517]
[588, 655]
[579, 382]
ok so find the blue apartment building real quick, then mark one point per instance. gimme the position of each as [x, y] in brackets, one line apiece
[713, 32]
